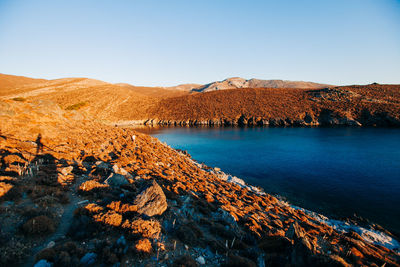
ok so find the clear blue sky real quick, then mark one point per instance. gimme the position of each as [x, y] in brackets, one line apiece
[171, 42]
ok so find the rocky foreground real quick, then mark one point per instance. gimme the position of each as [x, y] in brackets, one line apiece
[75, 192]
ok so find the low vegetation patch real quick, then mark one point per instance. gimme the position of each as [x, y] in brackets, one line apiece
[76, 106]
[39, 225]
[20, 99]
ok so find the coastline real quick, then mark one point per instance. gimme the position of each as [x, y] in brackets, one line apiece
[371, 235]
[275, 122]
[135, 200]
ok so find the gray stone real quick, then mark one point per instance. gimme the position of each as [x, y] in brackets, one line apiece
[101, 165]
[89, 258]
[151, 201]
[43, 263]
[200, 260]
[116, 179]
[51, 244]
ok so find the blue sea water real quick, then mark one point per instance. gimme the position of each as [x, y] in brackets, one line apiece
[335, 171]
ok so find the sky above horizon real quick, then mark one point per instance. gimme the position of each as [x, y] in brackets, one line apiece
[165, 43]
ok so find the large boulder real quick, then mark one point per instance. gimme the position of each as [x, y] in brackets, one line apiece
[151, 201]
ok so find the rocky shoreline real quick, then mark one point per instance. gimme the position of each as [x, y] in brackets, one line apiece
[326, 119]
[87, 194]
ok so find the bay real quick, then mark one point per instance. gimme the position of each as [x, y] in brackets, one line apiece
[335, 171]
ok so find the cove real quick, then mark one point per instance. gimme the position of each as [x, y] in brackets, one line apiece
[334, 171]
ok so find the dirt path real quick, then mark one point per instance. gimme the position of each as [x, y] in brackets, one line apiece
[64, 224]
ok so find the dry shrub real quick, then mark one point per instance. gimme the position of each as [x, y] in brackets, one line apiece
[64, 259]
[7, 179]
[92, 185]
[144, 228]
[110, 218]
[40, 191]
[185, 261]
[65, 180]
[234, 260]
[39, 225]
[122, 208]
[46, 201]
[143, 246]
[4, 189]
[13, 253]
[19, 99]
[48, 254]
[93, 208]
[13, 159]
[76, 106]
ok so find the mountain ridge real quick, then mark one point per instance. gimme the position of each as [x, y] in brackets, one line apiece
[238, 82]
[13, 81]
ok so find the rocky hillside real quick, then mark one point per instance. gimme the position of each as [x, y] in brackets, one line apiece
[369, 105]
[77, 192]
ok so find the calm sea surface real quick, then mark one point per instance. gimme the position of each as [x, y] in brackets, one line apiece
[335, 171]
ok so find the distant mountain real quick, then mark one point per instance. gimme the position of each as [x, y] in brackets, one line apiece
[185, 87]
[237, 82]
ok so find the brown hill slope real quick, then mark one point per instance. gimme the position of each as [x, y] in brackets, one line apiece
[8, 82]
[369, 105]
[105, 101]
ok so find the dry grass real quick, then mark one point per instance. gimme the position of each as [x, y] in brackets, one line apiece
[92, 185]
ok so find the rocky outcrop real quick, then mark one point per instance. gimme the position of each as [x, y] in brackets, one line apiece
[151, 201]
[325, 118]
[306, 121]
